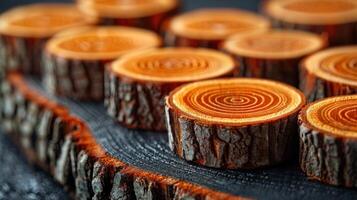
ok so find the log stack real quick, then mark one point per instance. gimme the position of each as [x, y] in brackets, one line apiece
[209, 27]
[331, 72]
[137, 83]
[273, 54]
[233, 123]
[75, 60]
[148, 14]
[328, 144]
[24, 31]
[335, 19]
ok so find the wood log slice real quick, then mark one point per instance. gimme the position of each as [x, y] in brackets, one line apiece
[336, 19]
[209, 27]
[233, 123]
[76, 158]
[273, 54]
[75, 59]
[24, 31]
[332, 72]
[137, 83]
[328, 144]
[148, 14]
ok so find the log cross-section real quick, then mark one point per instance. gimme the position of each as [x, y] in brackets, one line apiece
[137, 83]
[75, 59]
[331, 72]
[328, 143]
[24, 31]
[233, 123]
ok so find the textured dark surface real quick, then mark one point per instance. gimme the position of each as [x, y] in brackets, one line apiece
[18, 180]
[149, 151]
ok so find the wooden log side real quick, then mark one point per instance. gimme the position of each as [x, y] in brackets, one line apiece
[77, 161]
[77, 79]
[326, 158]
[231, 147]
[136, 104]
[174, 40]
[21, 54]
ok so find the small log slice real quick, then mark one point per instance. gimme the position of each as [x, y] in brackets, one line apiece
[148, 14]
[137, 83]
[24, 31]
[332, 72]
[336, 19]
[328, 143]
[209, 27]
[75, 59]
[273, 54]
[233, 123]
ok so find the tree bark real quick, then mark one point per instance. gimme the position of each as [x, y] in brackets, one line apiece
[228, 145]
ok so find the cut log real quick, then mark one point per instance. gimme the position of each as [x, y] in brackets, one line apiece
[24, 31]
[336, 19]
[137, 83]
[75, 59]
[148, 14]
[233, 123]
[76, 159]
[209, 27]
[328, 144]
[273, 54]
[332, 72]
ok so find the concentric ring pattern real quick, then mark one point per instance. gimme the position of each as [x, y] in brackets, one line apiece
[237, 101]
[274, 44]
[216, 24]
[174, 65]
[337, 115]
[337, 65]
[101, 42]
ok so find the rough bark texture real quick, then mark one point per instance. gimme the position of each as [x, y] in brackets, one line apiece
[60, 143]
[284, 70]
[78, 79]
[174, 40]
[316, 88]
[21, 54]
[222, 146]
[337, 34]
[136, 104]
[327, 158]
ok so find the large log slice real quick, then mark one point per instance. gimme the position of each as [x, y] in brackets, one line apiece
[64, 146]
[24, 31]
[137, 83]
[332, 72]
[328, 143]
[148, 14]
[234, 123]
[75, 59]
[209, 27]
[336, 19]
[273, 54]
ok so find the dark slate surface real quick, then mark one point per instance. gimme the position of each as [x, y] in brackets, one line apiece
[149, 151]
[18, 180]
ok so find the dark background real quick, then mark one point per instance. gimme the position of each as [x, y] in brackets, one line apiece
[18, 179]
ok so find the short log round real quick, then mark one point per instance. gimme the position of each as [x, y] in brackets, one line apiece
[336, 19]
[332, 72]
[209, 27]
[273, 54]
[233, 123]
[137, 83]
[148, 14]
[75, 59]
[328, 143]
[24, 31]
